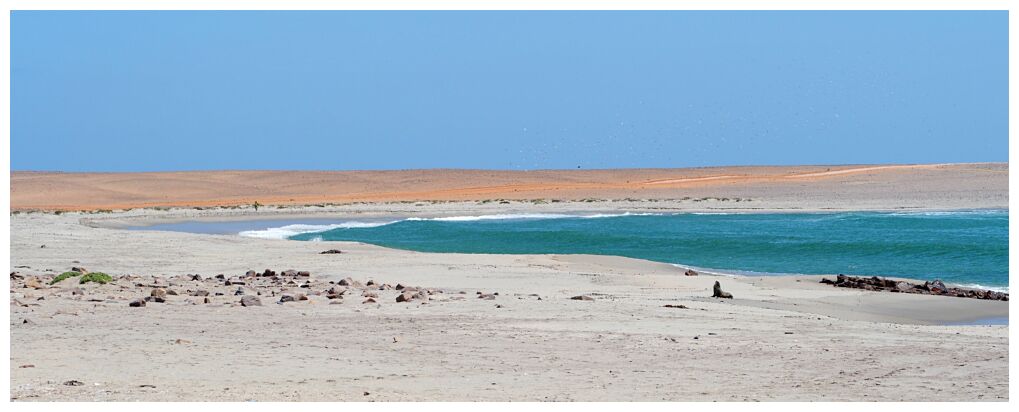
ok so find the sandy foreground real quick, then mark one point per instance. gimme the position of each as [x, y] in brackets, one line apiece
[781, 338]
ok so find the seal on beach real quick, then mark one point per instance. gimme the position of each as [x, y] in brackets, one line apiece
[719, 293]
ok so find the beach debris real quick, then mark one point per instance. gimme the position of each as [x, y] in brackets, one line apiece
[250, 300]
[719, 293]
[147, 386]
[935, 287]
[691, 272]
[675, 306]
[582, 297]
[137, 303]
[331, 252]
[74, 383]
[486, 296]
[26, 366]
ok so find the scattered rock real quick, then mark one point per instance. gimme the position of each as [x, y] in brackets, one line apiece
[34, 283]
[405, 297]
[331, 252]
[676, 306]
[287, 298]
[250, 274]
[718, 293]
[303, 273]
[249, 300]
[582, 297]
[137, 303]
[486, 296]
[156, 299]
[200, 293]
[346, 282]
[74, 383]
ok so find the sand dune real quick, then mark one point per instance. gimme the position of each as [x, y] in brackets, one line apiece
[944, 185]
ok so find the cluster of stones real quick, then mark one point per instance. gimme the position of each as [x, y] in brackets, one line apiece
[936, 287]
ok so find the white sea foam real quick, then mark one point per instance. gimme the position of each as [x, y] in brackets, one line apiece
[1003, 289]
[287, 231]
[291, 230]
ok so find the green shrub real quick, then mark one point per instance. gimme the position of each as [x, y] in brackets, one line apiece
[97, 277]
[63, 276]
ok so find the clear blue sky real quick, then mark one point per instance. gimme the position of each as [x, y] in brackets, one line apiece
[155, 91]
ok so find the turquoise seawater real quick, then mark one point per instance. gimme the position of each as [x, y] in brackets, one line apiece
[966, 247]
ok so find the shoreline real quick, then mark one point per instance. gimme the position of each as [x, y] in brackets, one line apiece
[796, 339]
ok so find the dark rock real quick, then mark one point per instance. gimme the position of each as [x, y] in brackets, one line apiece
[157, 299]
[346, 282]
[676, 306]
[935, 287]
[74, 383]
[486, 296]
[200, 293]
[79, 269]
[287, 298]
[137, 303]
[249, 300]
[196, 277]
[690, 272]
[251, 274]
[303, 273]
[331, 252]
[582, 297]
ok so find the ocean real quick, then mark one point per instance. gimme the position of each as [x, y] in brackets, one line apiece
[968, 248]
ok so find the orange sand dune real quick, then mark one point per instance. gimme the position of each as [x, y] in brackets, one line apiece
[90, 191]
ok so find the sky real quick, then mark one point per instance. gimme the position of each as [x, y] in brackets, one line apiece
[166, 90]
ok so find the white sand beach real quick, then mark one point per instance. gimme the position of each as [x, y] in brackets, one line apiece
[780, 338]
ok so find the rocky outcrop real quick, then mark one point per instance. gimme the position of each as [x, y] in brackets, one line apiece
[935, 287]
